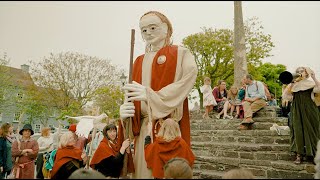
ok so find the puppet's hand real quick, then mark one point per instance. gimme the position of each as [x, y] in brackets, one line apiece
[136, 92]
[126, 110]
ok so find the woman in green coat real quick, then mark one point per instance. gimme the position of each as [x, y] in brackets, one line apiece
[305, 114]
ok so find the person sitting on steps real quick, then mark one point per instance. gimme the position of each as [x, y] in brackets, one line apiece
[220, 95]
[234, 102]
[255, 99]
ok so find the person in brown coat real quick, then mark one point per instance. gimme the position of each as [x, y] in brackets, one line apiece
[167, 145]
[27, 153]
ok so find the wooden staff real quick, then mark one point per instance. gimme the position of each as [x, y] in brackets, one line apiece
[128, 123]
[93, 136]
[59, 132]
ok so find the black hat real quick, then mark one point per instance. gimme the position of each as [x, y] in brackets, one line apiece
[26, 126]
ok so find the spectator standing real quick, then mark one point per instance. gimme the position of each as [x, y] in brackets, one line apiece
[6, 139]
[304, 114]
[27, 151]
[208, 98]
[45, 143]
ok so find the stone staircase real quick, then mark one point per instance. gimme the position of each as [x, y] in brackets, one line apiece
[219, 146]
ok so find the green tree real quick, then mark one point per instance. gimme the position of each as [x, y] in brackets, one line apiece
[213, 51]
[4, 76]
[72, 78]
[269, 74]
[109, 98]
[37, 104]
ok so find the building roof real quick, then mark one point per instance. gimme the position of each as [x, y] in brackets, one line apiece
[18, 77]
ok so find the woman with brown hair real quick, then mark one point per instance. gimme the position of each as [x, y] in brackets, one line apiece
[167, 145]
[6, 140]
[45, 146]
[109, 156]
[220, 94]
[68, 157]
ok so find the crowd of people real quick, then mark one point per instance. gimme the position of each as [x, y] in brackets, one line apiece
[238, 102]
[26, 158]
[156, 109]
[300, 102]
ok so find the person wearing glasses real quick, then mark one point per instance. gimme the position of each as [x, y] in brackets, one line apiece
[304, 95]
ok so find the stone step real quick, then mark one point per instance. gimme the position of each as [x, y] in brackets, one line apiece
[245, 155]
[228, 121]
[247, 139]
[268, 111]
[231, 126]
[211, 174]
[261, 168]
[205, 174]
[232, 146]
[251, 133]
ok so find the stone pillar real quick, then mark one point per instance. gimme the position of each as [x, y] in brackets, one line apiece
[240, 62]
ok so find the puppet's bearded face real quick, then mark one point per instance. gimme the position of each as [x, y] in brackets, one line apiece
[153, 30]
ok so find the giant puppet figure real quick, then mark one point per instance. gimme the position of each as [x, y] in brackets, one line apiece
[162, 80]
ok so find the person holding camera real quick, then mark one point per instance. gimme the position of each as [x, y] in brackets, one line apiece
[305, 115]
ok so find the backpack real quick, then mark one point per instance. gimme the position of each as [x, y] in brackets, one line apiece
[266, 91]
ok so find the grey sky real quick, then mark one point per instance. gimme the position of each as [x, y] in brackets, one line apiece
[31, 30]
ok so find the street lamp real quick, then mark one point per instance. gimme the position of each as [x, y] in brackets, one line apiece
[123, 79]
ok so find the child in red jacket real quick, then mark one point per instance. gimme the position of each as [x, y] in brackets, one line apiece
[168, 144]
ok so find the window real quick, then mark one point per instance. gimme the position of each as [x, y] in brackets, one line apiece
[20, 96]
[37, 128]
[16, 117]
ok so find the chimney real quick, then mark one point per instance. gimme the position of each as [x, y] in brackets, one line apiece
[25, 68]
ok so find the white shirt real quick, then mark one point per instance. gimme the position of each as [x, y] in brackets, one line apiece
[44, 143]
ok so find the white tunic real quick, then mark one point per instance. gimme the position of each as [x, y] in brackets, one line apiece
[168, 100]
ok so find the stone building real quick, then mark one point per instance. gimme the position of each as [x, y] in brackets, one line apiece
[18, 82]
